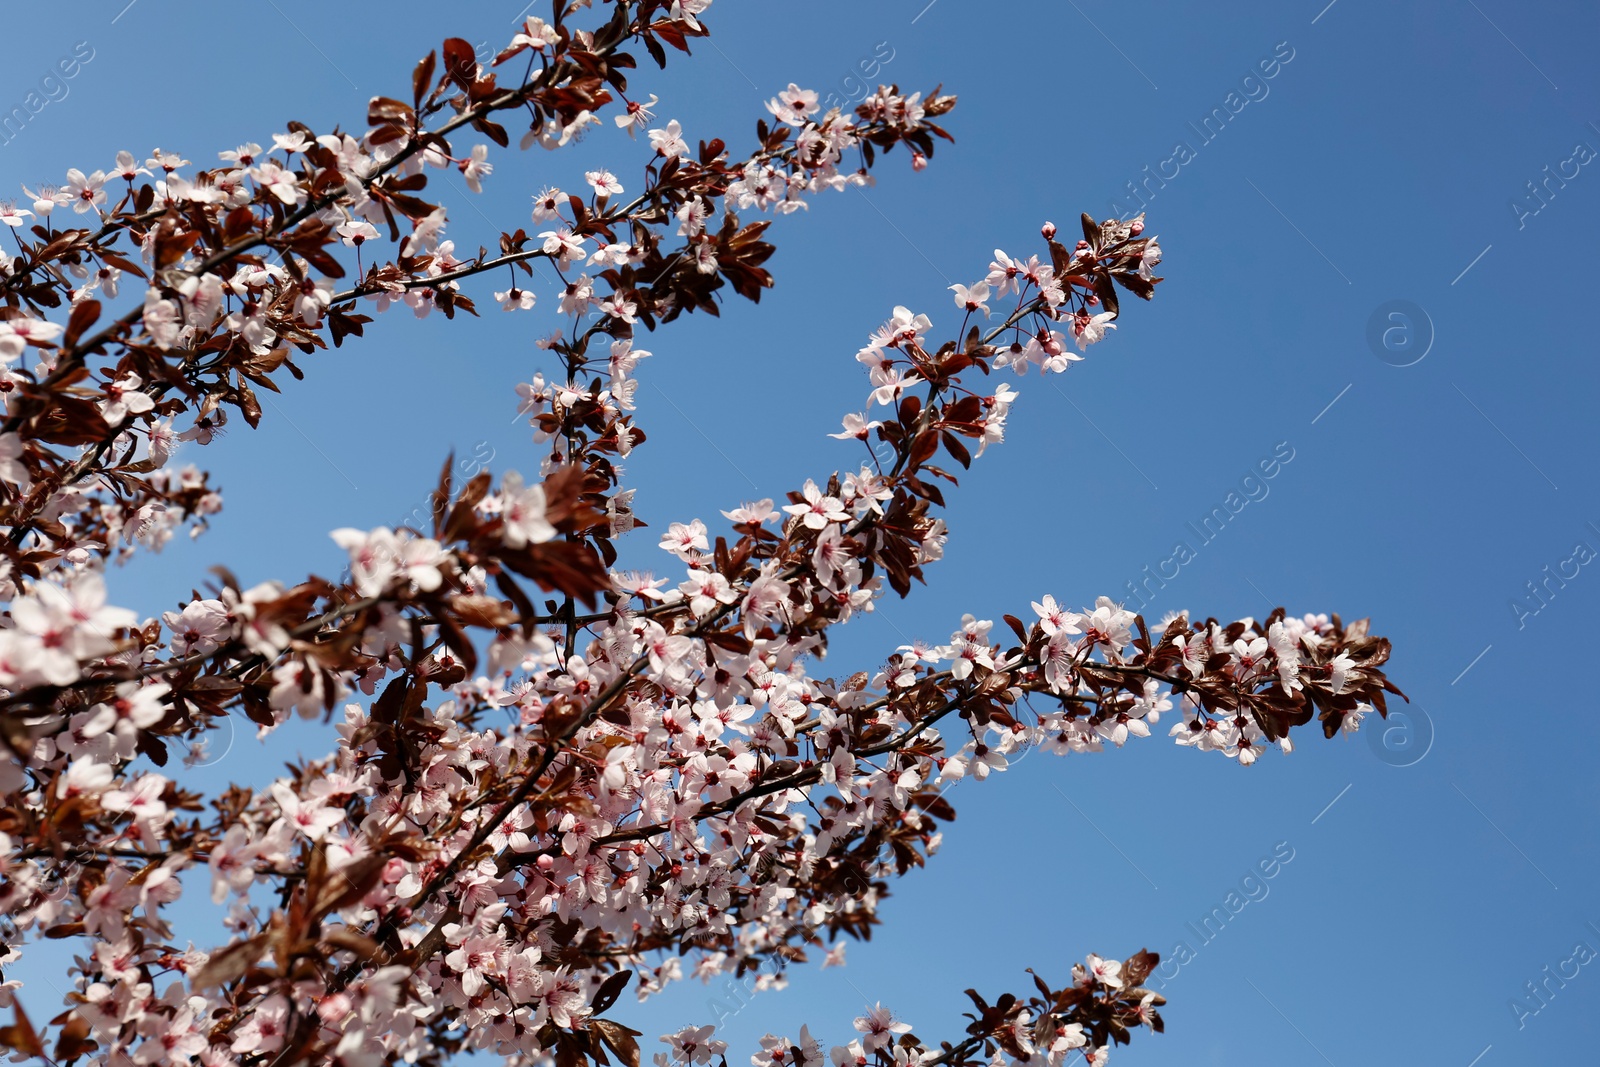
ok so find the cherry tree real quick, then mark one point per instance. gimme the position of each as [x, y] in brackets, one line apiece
[550, 777]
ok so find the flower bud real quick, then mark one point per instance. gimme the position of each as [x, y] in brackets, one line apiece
[1049, 231]
[334, 1009]
[1136, 227]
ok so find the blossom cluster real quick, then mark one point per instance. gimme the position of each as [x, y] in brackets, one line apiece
[552, 776]
[239, 266]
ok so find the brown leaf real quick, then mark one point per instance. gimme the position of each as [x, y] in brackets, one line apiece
[248, 404]
[485, 611]
[460, 62]
[229, 963]
[439, 499]
[619, 1039]
[732, 640]
[386, 709]
[21, 1034]
[83, 317]
[421, 78]
[386, 109]
[152, 746]
[562, 566]
[350, 883]
[342, 325]
[953, 445]
[343, 937]
[1091, 230]
[966, 410]
[1137, 967]
[462, 520]
[1140, 287]
[74, 1040]
[71, 421]
[936, 805]
[562, 490]
[609, 991]
[171, 245]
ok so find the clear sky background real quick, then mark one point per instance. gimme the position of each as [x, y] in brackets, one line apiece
[1432, 877]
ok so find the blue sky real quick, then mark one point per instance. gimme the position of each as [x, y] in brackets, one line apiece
[1382, 162]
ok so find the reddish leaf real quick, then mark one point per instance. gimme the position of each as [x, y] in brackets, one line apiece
[953, 445]
[564, 566]
[83, 317]
[422, 78]
[385, 109]
[460, 62]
